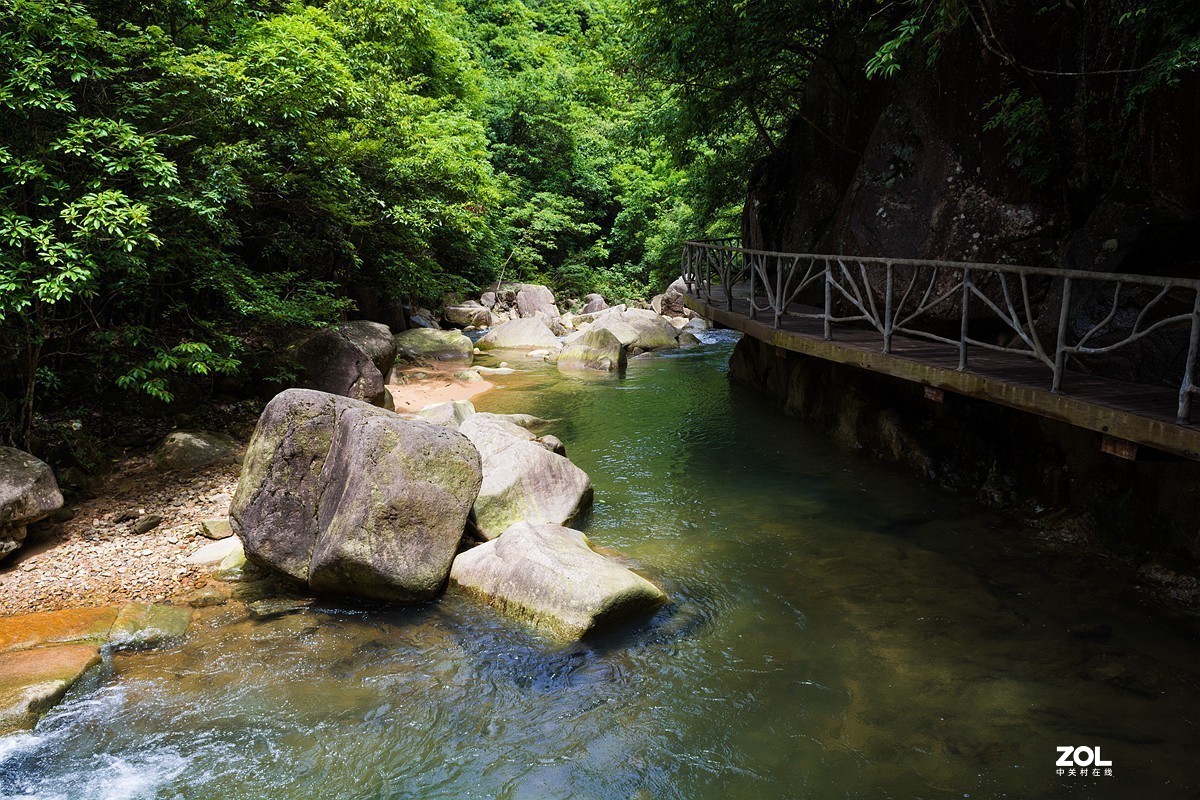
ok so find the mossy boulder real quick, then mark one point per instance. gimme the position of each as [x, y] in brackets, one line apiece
[597, 350]
[188, 450]
[425, 346]
[141, 625]
[32, 681]
[353, 500]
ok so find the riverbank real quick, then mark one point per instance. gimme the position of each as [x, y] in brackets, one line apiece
[90, 555]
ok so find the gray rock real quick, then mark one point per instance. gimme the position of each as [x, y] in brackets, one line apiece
[328, 361]
[215, 552]
[147, 523]
[216, 529]
[28, 493]
[549, 576]
[373, 338]
[597, 349]
[353, 500]
[593, 303]
[468, 316]
[640, 328]
[424, 346]
[468, 376]
[450, 414]
[195, 449]
[520, 334]
[522, 480]
[534, 299]
[488, 300]
[688, 340]
[588, 317]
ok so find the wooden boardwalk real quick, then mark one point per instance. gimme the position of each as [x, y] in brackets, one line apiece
[1127, 412]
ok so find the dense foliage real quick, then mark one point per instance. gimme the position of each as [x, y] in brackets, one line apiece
[183, 179]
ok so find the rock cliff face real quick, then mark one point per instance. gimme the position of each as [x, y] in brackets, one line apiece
[926, 166]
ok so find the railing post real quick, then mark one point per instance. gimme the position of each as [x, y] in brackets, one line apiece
[827, 318]
[753, 290]
[727, 278]
[887, 311]
[1060, 348]
[778, 290]
[966, 319]
[1183, 417]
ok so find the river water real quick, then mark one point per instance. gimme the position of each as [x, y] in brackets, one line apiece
[836, 630]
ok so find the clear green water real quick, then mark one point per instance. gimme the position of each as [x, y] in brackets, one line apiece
[836, 631]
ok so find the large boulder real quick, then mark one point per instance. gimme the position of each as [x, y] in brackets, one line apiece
[522, 479]
[195, 450]
[424, 345]
[520, 334]
[329, 361]
[374, 338]
[450, 414]
[534, 299]
[28, 493]
[352, 500]
[468, 315]
[550, 577]
[595, 349]
[640, 328]
[593, 303]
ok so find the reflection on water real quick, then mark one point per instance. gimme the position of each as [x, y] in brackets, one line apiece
[836, 631]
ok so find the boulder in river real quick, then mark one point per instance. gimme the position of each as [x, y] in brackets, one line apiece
[352, 500]
[520, 334]
[522, 480]
[425, 345]
[195, 449]
[28, 493]
[596, 349]
[550, 577]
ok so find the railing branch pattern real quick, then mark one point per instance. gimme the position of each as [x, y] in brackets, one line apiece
[1015, 306]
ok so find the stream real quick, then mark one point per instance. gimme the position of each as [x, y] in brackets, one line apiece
[836, 630]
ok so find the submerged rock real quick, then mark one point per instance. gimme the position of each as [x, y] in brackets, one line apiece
[550, 577]
[149, 625]
[520, 334]
[353, 500]
[596, 349]
[28, 493]
[522, 480]
[31, 681]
